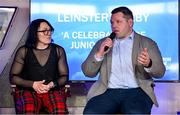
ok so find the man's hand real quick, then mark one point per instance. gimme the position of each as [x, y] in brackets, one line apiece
[144, 58]
[107, 42]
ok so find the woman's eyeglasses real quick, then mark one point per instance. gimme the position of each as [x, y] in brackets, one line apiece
[46, 32]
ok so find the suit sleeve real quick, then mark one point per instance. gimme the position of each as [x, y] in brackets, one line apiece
[157, 68]
[91, 66]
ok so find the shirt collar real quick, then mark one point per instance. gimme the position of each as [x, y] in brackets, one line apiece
[131, 37]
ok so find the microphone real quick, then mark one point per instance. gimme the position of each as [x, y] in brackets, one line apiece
[112, 36]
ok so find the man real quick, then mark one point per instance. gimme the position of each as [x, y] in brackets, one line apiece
[126, 69]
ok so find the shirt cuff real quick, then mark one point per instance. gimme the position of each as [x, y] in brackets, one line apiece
[98, 58]
[147, 69]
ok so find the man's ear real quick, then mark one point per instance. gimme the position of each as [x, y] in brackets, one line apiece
[131, 22]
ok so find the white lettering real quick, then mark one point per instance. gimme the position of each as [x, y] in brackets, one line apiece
[141, 17]
[97, 17]
[82, 45]
[89, 35]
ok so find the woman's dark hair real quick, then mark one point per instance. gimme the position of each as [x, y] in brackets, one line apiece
[32, 32]
[126, 11]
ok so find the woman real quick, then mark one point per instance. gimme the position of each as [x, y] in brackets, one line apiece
[39, 71]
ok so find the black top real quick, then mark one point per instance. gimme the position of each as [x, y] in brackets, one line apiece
[48, 64]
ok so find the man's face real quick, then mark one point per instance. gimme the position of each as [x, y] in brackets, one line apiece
[120, 25]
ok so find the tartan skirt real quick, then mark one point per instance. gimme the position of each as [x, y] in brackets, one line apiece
[26, 101]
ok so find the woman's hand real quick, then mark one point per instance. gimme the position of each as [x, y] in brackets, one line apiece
[50, 85]
[40, 87]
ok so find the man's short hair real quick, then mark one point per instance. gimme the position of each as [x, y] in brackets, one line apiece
[126, 11]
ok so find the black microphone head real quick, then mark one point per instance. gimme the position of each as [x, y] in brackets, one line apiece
[112, 35]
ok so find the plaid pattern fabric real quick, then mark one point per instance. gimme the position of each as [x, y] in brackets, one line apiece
[30, 102]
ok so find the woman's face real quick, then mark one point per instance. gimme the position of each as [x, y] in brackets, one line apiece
[44, 34]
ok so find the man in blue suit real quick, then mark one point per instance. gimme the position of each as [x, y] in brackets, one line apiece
[126, 69]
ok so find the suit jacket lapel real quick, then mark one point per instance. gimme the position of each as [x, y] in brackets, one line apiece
[135, 51]
[109, 62]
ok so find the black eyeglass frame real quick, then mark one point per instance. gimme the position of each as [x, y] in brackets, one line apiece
[46, 32]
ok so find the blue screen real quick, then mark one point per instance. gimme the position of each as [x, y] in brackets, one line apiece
[79, 24]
